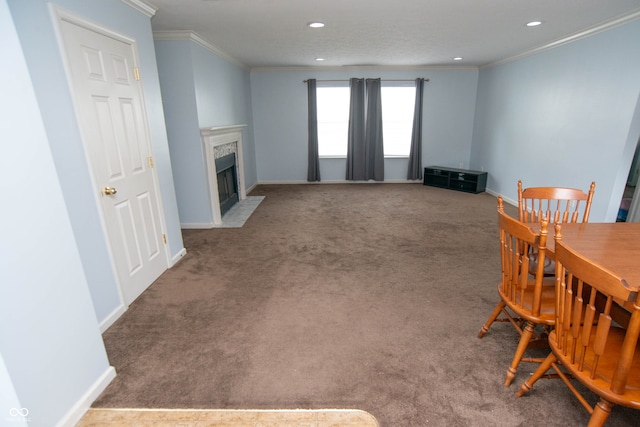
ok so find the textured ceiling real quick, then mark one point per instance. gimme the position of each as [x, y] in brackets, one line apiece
[274, 33]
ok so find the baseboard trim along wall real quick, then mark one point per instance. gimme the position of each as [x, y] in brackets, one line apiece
[506, 199]
[251, 188]
[341, 181]
[189, 225]
[178, 257]
[112, 317]
[81, 407]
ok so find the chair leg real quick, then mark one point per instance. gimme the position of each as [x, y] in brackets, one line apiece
[542, 369]
[494, 315]
[527, 333]
[600, 413]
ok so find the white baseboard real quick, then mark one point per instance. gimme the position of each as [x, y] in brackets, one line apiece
[248, 190]
[112, 317]
[493, 193]
[81, 407]
[342, 181]
[196, 225]
[178, 257]
[286, 182]
[506, 199]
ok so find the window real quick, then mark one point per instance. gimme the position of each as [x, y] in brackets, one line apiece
[397, 119]
[333, 120]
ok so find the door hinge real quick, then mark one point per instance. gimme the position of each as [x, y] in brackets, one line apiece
[136, 73]
[151, 162]
[164, 239]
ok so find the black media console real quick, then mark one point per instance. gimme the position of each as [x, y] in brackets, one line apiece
[455, 179]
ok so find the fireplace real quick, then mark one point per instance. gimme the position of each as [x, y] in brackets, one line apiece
[225, 171]
[227, 182]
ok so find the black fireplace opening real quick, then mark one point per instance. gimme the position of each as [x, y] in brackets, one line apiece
[227, 182]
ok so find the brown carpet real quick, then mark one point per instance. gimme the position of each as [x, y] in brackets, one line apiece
[337, 296]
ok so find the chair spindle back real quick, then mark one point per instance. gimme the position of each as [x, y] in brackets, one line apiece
[556, 204]
[516, 242]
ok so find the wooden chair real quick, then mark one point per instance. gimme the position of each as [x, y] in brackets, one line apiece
[556, 204]
[529, 297]
[591, 348]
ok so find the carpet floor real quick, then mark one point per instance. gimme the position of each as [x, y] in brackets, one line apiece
[337, 296]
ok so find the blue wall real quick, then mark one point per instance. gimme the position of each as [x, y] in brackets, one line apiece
[51, 352]
[564, 116]
[175, 69]
[34, 24]
[279, 99]
[201, 89]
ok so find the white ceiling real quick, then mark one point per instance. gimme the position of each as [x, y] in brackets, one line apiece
[274, 33]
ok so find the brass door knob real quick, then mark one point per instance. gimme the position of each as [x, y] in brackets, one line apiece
[109, 191]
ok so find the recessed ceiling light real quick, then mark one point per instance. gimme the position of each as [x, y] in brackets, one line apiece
[319, 59]
[316, 24]
[533, 23]
[458, 58]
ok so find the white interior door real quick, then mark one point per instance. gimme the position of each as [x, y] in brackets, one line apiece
[108, 100]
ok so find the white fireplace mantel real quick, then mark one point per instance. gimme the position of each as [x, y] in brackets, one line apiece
[213, 137]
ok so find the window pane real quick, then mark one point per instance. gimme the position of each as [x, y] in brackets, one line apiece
[333, 121]
[397, 119]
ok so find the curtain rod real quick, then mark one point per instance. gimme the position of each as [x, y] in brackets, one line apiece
[385, 80]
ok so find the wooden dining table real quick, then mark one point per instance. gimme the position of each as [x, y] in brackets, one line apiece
[612, 245]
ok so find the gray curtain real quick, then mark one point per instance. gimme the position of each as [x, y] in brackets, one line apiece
[355, 140]
[415, 153]
[313, 168]
[365, 153]
[374, 150]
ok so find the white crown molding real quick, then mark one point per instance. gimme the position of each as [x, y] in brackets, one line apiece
[194, 37]
[569, 39]
[142, 6]
[364, 68]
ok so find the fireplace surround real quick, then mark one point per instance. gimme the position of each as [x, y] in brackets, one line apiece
[220, 142]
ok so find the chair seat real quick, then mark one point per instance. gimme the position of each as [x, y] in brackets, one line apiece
[523, 306]
[606, 368]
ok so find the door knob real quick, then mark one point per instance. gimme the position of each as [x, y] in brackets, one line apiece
[109, 191]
